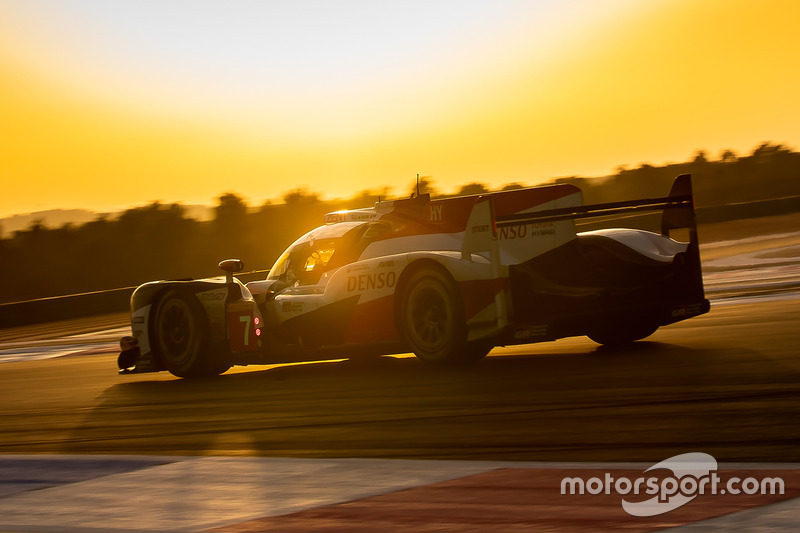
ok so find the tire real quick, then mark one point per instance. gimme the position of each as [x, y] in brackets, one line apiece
[181, 340]
[431, 319]
[622, 333]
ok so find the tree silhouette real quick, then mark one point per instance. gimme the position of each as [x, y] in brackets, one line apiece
[158, 241]
[700, 158]
[300, 196]
[424, 186]
[472, 188]
[230, 209]
[728, 156]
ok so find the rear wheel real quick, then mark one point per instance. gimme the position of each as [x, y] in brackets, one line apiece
[181, 338]
[431, 319]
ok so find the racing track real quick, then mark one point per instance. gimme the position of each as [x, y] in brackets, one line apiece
[727, 384]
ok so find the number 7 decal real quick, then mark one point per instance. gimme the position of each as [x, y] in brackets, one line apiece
[243, 328]
[246, 319]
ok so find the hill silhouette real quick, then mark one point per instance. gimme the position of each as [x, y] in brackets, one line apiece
[56, 218]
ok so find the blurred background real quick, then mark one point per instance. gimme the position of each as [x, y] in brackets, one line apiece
[148, 140]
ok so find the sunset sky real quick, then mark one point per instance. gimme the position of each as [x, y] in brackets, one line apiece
[109, 104]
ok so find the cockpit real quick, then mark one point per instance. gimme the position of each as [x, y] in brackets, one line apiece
[323, 249]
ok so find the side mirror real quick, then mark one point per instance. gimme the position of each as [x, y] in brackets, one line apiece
[231, 266]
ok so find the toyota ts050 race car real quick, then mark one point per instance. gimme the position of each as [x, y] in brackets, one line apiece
[447, 279]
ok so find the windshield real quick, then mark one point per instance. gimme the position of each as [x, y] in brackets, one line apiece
[304, 262]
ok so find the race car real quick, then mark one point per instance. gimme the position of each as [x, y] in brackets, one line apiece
[447, 279]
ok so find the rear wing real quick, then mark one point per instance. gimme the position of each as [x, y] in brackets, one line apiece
[678, 210]
[496, 230]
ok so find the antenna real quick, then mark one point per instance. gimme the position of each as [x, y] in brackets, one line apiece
[418, 185]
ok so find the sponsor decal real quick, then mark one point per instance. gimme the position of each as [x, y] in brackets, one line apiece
[480, 229]
[437, 213]
[335, 218]
[385, 264]
[139, 328]
[365, 282]
[291, 307]
[687, 310]
[530, 332]
[214, 303]
[525, 231]
[212, 296]
[693, 474]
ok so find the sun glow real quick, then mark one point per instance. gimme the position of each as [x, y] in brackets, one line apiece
[106, 106]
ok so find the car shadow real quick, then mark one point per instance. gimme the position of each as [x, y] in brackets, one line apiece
[592, 404]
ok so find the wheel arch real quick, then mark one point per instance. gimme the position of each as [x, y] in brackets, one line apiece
[150, 295]
[415, 265]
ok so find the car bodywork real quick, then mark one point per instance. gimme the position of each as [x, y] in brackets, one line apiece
[447, 279]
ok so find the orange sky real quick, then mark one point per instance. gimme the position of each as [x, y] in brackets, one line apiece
[105, 110]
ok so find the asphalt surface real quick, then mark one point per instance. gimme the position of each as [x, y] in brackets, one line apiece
[727, 384]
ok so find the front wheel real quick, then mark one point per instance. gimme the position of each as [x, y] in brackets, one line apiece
[431, 318]
[180, 331]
